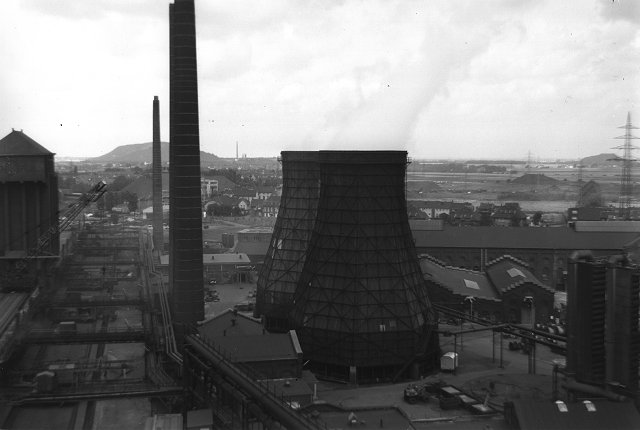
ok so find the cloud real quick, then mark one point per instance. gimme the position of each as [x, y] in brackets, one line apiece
[94, 9]
[626, 10]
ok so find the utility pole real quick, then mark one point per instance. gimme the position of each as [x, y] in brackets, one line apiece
[626, 186]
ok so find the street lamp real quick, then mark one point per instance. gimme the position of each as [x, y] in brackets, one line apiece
[470, 299]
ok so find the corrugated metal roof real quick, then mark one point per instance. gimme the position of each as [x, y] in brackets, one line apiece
[18, 143]
[562, 238]
[533, 415]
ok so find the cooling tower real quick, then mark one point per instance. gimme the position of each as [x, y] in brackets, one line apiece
[285, 258]
[360, 307]
[185, 221]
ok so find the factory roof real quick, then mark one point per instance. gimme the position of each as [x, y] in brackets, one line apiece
[562, 238]
[596, 414]
[231, 324]
[262, 347]
[501, 275]
[253, 248]
[458, 281]
[235, 258]
[244, 339]
[507, 273]
[18, 143]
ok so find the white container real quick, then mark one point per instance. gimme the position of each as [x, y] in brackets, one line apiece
[449, 361]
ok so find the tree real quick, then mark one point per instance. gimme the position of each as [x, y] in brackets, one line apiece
[119, 182]
[537, 217]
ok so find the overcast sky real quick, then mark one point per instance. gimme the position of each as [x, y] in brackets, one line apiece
[441, 79]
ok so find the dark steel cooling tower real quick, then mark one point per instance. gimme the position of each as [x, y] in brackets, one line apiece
[360, 308]
[285, 258]
[157, 178]
[187, 292]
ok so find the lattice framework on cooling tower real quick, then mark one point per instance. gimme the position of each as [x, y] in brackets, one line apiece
[361, 300]
[285, 258]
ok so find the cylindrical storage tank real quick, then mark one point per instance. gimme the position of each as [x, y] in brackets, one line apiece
[360, 308]
[285, 258]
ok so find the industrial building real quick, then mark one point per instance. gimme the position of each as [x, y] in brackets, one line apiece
[545, 250]
[29, 208]
[506, 291]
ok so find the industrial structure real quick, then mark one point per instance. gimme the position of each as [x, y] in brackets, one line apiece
[343, 272]
[185, 219]
[545, 250]
[28, 208]
[626, 184]
[280, 273]
[603, 339]
[158, 240]
[506, 291]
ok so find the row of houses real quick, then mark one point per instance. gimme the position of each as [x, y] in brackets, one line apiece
[507, 214]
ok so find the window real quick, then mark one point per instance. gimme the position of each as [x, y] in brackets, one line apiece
[471, 284]
[513, 272]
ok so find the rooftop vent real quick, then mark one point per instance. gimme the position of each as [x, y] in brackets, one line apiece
[589, 405]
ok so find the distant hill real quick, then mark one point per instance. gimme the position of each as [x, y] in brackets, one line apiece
[600, 160]
[139, 153]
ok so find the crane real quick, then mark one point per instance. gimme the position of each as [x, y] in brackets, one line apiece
[52, 232]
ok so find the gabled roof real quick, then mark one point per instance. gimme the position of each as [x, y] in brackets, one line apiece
[458, 281]
[18, 143]
[230, 324]
[546, 415]
[507, 273]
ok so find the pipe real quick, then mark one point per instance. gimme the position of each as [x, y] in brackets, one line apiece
[581, 255]
[620, 259]
[282, 413]
[590, 389]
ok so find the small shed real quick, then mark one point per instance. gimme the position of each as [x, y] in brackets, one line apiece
[449, 361]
